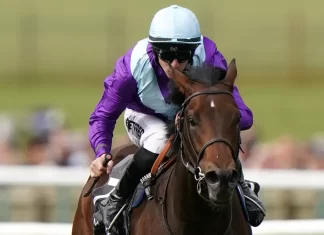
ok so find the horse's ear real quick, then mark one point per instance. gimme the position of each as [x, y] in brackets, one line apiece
[231, 73]
[181, 80]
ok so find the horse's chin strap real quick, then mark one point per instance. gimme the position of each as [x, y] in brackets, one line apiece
[196, 171]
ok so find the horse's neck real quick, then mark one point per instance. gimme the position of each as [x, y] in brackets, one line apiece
[187, 207]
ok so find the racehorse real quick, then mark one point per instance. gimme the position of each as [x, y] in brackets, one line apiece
[195, 189]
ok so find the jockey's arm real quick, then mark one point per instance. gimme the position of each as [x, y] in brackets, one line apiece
[246, 113]
[216, 58]
[119, 90]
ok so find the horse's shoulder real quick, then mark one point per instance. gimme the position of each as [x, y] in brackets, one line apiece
[162, 182]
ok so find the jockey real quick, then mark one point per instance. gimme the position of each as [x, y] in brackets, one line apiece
[138, 86]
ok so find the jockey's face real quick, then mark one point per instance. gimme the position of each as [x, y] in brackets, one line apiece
[175, 64]
[178, 55]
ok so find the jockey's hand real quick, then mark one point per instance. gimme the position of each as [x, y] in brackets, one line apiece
[97, 168]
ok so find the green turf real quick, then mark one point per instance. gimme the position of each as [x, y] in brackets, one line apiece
[59, 52]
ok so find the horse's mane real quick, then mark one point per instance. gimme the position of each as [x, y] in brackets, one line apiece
[204, 74]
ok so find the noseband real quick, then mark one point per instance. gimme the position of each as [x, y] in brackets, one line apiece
[192, 165]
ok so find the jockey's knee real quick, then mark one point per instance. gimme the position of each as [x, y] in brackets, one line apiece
[144, 159]
[155, 142]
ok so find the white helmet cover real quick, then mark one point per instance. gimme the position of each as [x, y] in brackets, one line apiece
[175, 24]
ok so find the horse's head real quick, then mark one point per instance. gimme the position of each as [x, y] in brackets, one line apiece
[208, 126]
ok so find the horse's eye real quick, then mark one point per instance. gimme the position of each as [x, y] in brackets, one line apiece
[192, 122]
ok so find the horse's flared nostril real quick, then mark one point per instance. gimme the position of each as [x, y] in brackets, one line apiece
[211, 177]
[222, 176]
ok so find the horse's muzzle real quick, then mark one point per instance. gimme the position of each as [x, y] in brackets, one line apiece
[221, 184]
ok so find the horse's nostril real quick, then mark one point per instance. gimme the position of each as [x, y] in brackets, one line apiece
[211, 177]
[230, 176]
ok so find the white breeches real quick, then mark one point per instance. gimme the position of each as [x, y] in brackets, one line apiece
[145, 130]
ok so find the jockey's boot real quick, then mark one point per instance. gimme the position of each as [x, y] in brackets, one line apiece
[255, 208]
[135, 170]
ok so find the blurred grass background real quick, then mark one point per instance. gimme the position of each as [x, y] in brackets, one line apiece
[58, 53]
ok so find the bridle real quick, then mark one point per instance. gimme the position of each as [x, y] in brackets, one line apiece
[192, 165]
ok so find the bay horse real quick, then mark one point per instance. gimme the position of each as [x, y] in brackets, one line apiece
[198, 192]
